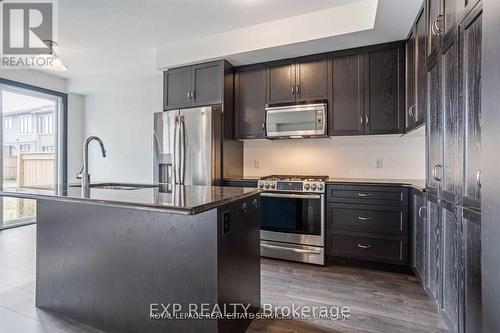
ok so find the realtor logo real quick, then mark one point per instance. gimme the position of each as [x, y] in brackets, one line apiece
[26, 26]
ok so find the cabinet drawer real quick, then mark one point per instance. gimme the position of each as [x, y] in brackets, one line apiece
[368, 218]
[367, 247]
[372, 195]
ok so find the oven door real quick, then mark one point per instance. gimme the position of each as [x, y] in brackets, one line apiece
[293, 218]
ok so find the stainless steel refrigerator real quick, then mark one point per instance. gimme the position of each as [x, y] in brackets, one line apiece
[192, 147]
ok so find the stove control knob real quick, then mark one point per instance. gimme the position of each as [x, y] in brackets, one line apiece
[321, 187]
[313, 187]
[261, 185]
[306, 187]
[267, 185]
[273, 186]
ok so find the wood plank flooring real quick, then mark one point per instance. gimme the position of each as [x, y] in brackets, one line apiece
[379, 301]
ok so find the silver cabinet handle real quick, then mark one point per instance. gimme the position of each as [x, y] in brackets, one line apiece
[297, 89]
[274, 247]
[293, 89]
[420, 212]
[189, 94]
[193, 94]
[411, 111]
[263, 126]
[364, 195]
[364, 246]
[362, 218]
[478, 178]
[439, 30]
[361, 120]
[366, 119]
[435, 172]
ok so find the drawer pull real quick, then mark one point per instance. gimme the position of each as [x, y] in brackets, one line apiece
[364, 246]
[362, 218]
[364, 195]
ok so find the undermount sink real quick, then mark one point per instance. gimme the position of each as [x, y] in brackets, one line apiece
[117, 186]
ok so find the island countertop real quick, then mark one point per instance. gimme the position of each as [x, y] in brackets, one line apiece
[180, 199]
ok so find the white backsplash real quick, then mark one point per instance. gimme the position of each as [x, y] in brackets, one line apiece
[340, 157]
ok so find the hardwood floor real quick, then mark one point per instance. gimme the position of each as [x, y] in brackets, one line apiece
[379, 301]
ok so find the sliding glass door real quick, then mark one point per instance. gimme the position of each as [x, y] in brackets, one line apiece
[32, 137]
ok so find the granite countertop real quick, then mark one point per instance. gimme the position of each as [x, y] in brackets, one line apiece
[419, 184]
[180, 199]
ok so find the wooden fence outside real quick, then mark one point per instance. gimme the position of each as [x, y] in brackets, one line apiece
[31, 169]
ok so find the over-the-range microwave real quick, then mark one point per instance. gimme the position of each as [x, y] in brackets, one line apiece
[296, 121]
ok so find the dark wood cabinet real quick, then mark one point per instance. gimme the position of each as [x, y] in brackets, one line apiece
[470, 279]
[384, 79]
[297, 81]
[450, 13]
[250, 102]
[418, 219]
[368, 222]
[411, 80]
[433, 251]
[449, 173]
[196, 85]
[434, 128]
[470, 105]
[347, 114]
[177, 88]
[435, 23]
[450, 264]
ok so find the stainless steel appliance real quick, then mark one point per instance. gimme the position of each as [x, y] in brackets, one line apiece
[190, 147]
[293, 218]
[296, 121]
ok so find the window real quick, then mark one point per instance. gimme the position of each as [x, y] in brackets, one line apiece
[24, 148]
[9, 150]
[25, 124]
[7, 123]
[47, 149]
[46, 124]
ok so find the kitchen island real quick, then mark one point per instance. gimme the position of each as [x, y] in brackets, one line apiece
[146, 258]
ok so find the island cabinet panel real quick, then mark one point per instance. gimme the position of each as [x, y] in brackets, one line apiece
[280, 82]
[418, 220]
[434, 249]
[347, 114]
[368, 223]
[470, 106]
[312, 80]
[470, 279]
[384, 79]
[250, 103]
[450, 264]
[196, 85]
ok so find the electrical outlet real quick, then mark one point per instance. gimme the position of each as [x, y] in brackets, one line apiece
[256, 164]
[378, 163]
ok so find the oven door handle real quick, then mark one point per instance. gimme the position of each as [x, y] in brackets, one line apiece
[292, 196]
[274, 247]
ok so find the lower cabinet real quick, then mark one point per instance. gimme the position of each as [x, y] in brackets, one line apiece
[368, 223]
[452, 264]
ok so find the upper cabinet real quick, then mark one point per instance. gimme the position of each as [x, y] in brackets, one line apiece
[416, 74]
[435, 26]
[250, 102]
[290, 81]
[384, 80]
[196, 85]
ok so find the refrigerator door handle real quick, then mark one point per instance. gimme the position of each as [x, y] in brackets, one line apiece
[182, 156]
[176, 151]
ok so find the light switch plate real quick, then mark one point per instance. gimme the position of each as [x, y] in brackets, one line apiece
[379, 163]
[256, 164]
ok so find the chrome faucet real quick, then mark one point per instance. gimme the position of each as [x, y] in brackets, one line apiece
[84, 172]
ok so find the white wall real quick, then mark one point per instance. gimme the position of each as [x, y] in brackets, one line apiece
[76, 107]
[339, 157]
[123, 118]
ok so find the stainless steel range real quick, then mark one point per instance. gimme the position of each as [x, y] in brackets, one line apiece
[293, 218]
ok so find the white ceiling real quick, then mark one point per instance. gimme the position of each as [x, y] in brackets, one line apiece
[103, 40]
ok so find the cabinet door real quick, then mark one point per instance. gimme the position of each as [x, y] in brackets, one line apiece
[434, 127]
[450, 19]
[250, 103]
[419, 228]
[434, 273]
[451, 166]
[421, 69]
[280, 83]
[347, 115]
[207, 83]
[450, 265]
[410, 81]
[434, 24]
[470, 70]
[471, 319]
[177, 85]
[384, 90]
[312, 80]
